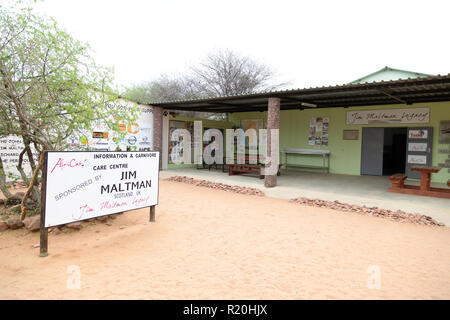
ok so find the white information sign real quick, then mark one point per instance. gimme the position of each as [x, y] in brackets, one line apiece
[422, 147]
[418, 134]
[416, 159]
[416, 115]
[83, 185]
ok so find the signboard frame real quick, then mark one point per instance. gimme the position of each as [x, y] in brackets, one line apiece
[44, 228]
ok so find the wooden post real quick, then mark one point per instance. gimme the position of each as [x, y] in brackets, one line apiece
[273, 122]
[44, 230]
[157, 132]
[152, 213]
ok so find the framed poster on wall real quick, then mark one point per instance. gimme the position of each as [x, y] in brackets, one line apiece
[318, 131]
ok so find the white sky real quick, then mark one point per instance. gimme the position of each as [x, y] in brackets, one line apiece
[310, 43]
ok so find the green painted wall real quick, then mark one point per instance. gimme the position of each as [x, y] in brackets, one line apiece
[345, 154]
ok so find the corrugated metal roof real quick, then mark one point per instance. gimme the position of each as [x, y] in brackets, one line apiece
[388, 73]
[407, 91]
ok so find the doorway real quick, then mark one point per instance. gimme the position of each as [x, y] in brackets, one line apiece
[383, 151]
[394, 150]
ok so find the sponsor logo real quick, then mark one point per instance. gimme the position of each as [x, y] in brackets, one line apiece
[132, 140]
[144, 141]
[100, 135]
[84, 140]
[122, 127]
[133, 128]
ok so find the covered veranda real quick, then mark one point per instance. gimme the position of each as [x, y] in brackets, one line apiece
[352, 189]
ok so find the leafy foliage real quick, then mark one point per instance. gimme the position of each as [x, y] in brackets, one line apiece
[50, 88]
[49, 85]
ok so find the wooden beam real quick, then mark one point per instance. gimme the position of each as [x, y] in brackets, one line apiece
[388, 93]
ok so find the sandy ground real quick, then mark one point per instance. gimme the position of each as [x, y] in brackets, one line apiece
[211, 244]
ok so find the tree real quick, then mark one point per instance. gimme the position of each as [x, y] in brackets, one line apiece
[50, 88]
[165, 88]
[226, 73]
[220, 74]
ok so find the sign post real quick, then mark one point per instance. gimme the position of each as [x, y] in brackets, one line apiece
[152, 213]
[80, 185]
[44, 231]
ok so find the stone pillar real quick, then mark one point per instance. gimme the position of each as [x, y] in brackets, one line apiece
[273, 122]
[157, 132]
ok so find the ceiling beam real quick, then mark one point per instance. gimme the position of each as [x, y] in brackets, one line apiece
[388, 93]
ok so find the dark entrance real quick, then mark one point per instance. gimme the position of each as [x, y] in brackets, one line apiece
[394, 150]
[383, 150]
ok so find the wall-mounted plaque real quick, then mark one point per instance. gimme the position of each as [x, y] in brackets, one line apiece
[415, 159]
[418, 134]
[350, 135]
[444, 132]
[422, 147]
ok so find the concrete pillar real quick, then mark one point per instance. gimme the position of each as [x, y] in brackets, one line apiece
[157, 132]
[273, 122]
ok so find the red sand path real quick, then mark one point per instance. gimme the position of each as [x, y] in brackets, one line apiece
[212, 244]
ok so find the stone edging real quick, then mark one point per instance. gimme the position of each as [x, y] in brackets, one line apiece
[398, 215]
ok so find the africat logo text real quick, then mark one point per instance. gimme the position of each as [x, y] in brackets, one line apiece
[61, 163]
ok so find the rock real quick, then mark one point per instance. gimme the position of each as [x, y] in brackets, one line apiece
[112, 216]
[102, 218]
[37, 245]
[91, 220]
[56, 231]
[3, 226]
[15, 223]
[74, 225]
[32, 223]
[220, 186]
[398, 215]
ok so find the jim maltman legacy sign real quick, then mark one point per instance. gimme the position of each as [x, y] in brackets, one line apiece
[410, 115]
[84, 185]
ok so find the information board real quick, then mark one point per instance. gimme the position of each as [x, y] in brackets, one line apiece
[83, 185]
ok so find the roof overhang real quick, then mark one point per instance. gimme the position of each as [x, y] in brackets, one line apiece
[409, 91]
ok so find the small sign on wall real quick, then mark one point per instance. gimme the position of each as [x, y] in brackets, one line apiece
[418, 134]
[350, 135]
[416, 159]
[422, 147]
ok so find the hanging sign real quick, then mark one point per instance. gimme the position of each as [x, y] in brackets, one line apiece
[416, 115]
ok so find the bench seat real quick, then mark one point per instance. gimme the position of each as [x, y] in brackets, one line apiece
[398, 180]
[237, 168]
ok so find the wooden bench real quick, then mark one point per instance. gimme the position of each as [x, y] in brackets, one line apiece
[398, 180]
[424, 189]
[236, 168]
